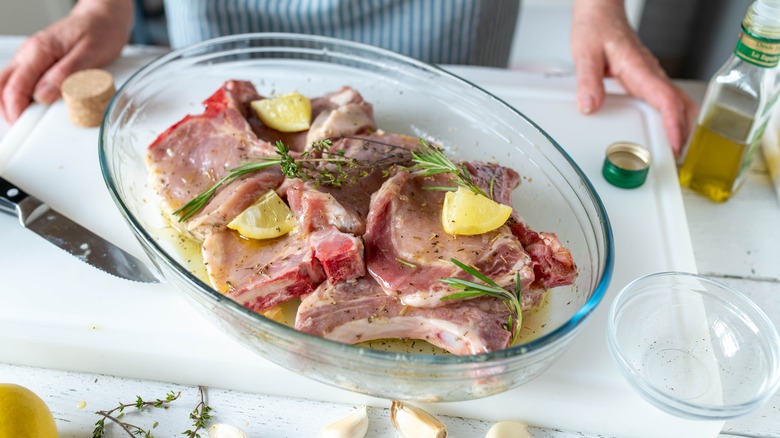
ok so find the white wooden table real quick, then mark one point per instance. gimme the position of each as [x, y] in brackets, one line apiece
[737, 242]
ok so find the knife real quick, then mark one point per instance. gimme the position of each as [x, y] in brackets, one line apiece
[87, 246]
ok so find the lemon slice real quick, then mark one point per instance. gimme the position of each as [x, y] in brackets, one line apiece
[267, 218]
[287, 113]
[466, 213]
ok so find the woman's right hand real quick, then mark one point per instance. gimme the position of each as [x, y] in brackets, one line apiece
[604, 44]
[91, 35]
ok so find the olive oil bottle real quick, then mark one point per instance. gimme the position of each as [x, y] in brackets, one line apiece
[736, 108]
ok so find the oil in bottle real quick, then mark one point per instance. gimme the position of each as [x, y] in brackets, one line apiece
[712, 165]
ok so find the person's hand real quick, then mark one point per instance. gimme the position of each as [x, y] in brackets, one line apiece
[92, 35]
[603, 44]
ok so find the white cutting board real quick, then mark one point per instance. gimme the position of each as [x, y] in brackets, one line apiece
[57, 312]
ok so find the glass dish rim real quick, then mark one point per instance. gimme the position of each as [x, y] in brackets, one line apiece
[678, 406]
[542, 343]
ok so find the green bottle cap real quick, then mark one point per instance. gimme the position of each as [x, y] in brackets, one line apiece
[626, 164]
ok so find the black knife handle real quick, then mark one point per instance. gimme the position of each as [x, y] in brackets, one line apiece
[10, 197]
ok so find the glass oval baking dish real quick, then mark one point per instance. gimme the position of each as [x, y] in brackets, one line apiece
[409, 97]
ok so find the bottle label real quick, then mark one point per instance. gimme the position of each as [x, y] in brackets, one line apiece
[760, 51]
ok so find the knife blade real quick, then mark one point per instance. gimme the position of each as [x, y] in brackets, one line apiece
[37, 216]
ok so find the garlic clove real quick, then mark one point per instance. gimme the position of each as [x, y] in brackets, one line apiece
[222, 430]
[508, 429]
[413, 422]
[354, 425]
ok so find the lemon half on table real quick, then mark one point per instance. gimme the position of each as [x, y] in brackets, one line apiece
[23, 414]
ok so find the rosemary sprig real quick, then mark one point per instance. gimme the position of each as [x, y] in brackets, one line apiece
[488, 287]
[432, 161]
[339, 170]
[285, 161]
[191, 208]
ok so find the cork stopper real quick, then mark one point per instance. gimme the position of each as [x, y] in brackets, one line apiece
[86, 94]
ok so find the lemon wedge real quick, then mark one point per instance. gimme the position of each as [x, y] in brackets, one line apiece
[267, 218]
[467, 213]
[286, 113]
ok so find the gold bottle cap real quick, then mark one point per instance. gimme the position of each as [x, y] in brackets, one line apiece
[626, 164]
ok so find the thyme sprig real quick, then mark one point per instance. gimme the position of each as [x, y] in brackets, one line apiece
[118, 412]
[339, 170]
[201, 415]
[488, 287]
[432, 161]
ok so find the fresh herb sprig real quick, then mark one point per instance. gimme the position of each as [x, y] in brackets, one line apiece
[191, 208]
[339, 170]
[201, 415]
[432, 161]
[488, 287]
[118, 412]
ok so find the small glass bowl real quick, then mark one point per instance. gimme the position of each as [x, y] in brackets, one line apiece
[694, 347]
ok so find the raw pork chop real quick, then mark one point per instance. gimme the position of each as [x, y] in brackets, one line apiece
[190, 156]
[260, 274]
[408, 252]
[357, 311]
